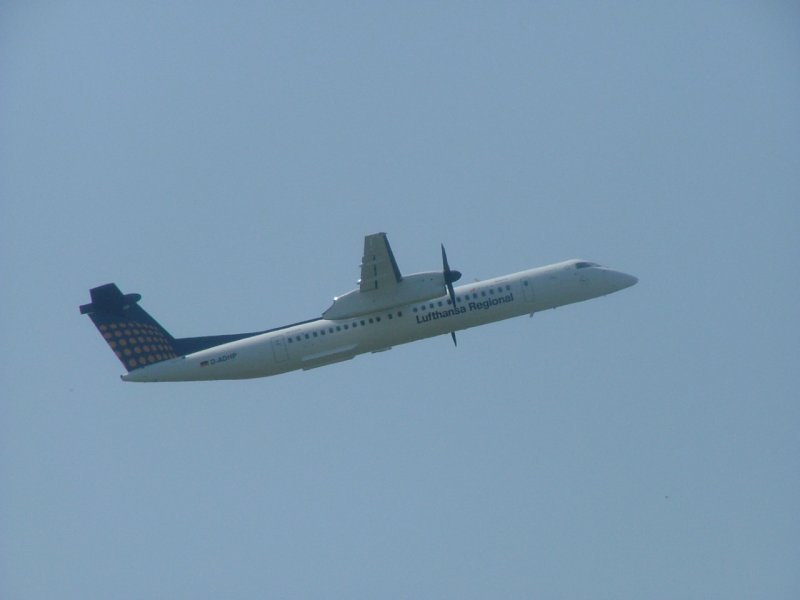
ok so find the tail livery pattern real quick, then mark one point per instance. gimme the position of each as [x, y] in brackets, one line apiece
[135, 337]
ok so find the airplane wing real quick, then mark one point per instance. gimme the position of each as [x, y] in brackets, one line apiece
[382, 286]
[379, 270]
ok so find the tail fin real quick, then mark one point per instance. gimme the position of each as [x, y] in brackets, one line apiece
[135, 337]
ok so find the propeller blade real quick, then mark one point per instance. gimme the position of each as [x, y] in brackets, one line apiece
[449, 277]
[451, 292]
[449, 274]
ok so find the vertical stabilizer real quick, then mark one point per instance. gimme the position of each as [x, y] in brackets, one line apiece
[135, 337]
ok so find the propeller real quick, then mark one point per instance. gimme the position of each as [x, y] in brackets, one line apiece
[449, 277]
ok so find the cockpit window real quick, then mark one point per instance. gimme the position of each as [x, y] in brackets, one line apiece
[585, 265]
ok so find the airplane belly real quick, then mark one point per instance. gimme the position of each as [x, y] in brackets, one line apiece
[328, 357]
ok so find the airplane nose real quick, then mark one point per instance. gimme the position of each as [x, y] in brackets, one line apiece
[617, 280]
[626, 280]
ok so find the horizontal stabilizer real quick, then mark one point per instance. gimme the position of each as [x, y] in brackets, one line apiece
[108, 298]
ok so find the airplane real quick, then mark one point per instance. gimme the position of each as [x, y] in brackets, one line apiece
[385, 310]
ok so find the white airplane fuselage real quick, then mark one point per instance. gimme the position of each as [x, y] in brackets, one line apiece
[321, 342]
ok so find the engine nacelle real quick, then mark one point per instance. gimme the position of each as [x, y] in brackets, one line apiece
[411, 288]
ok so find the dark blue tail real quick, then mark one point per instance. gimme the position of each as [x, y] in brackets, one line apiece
[137, 338]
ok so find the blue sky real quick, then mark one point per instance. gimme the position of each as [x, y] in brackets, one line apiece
[226, 162]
